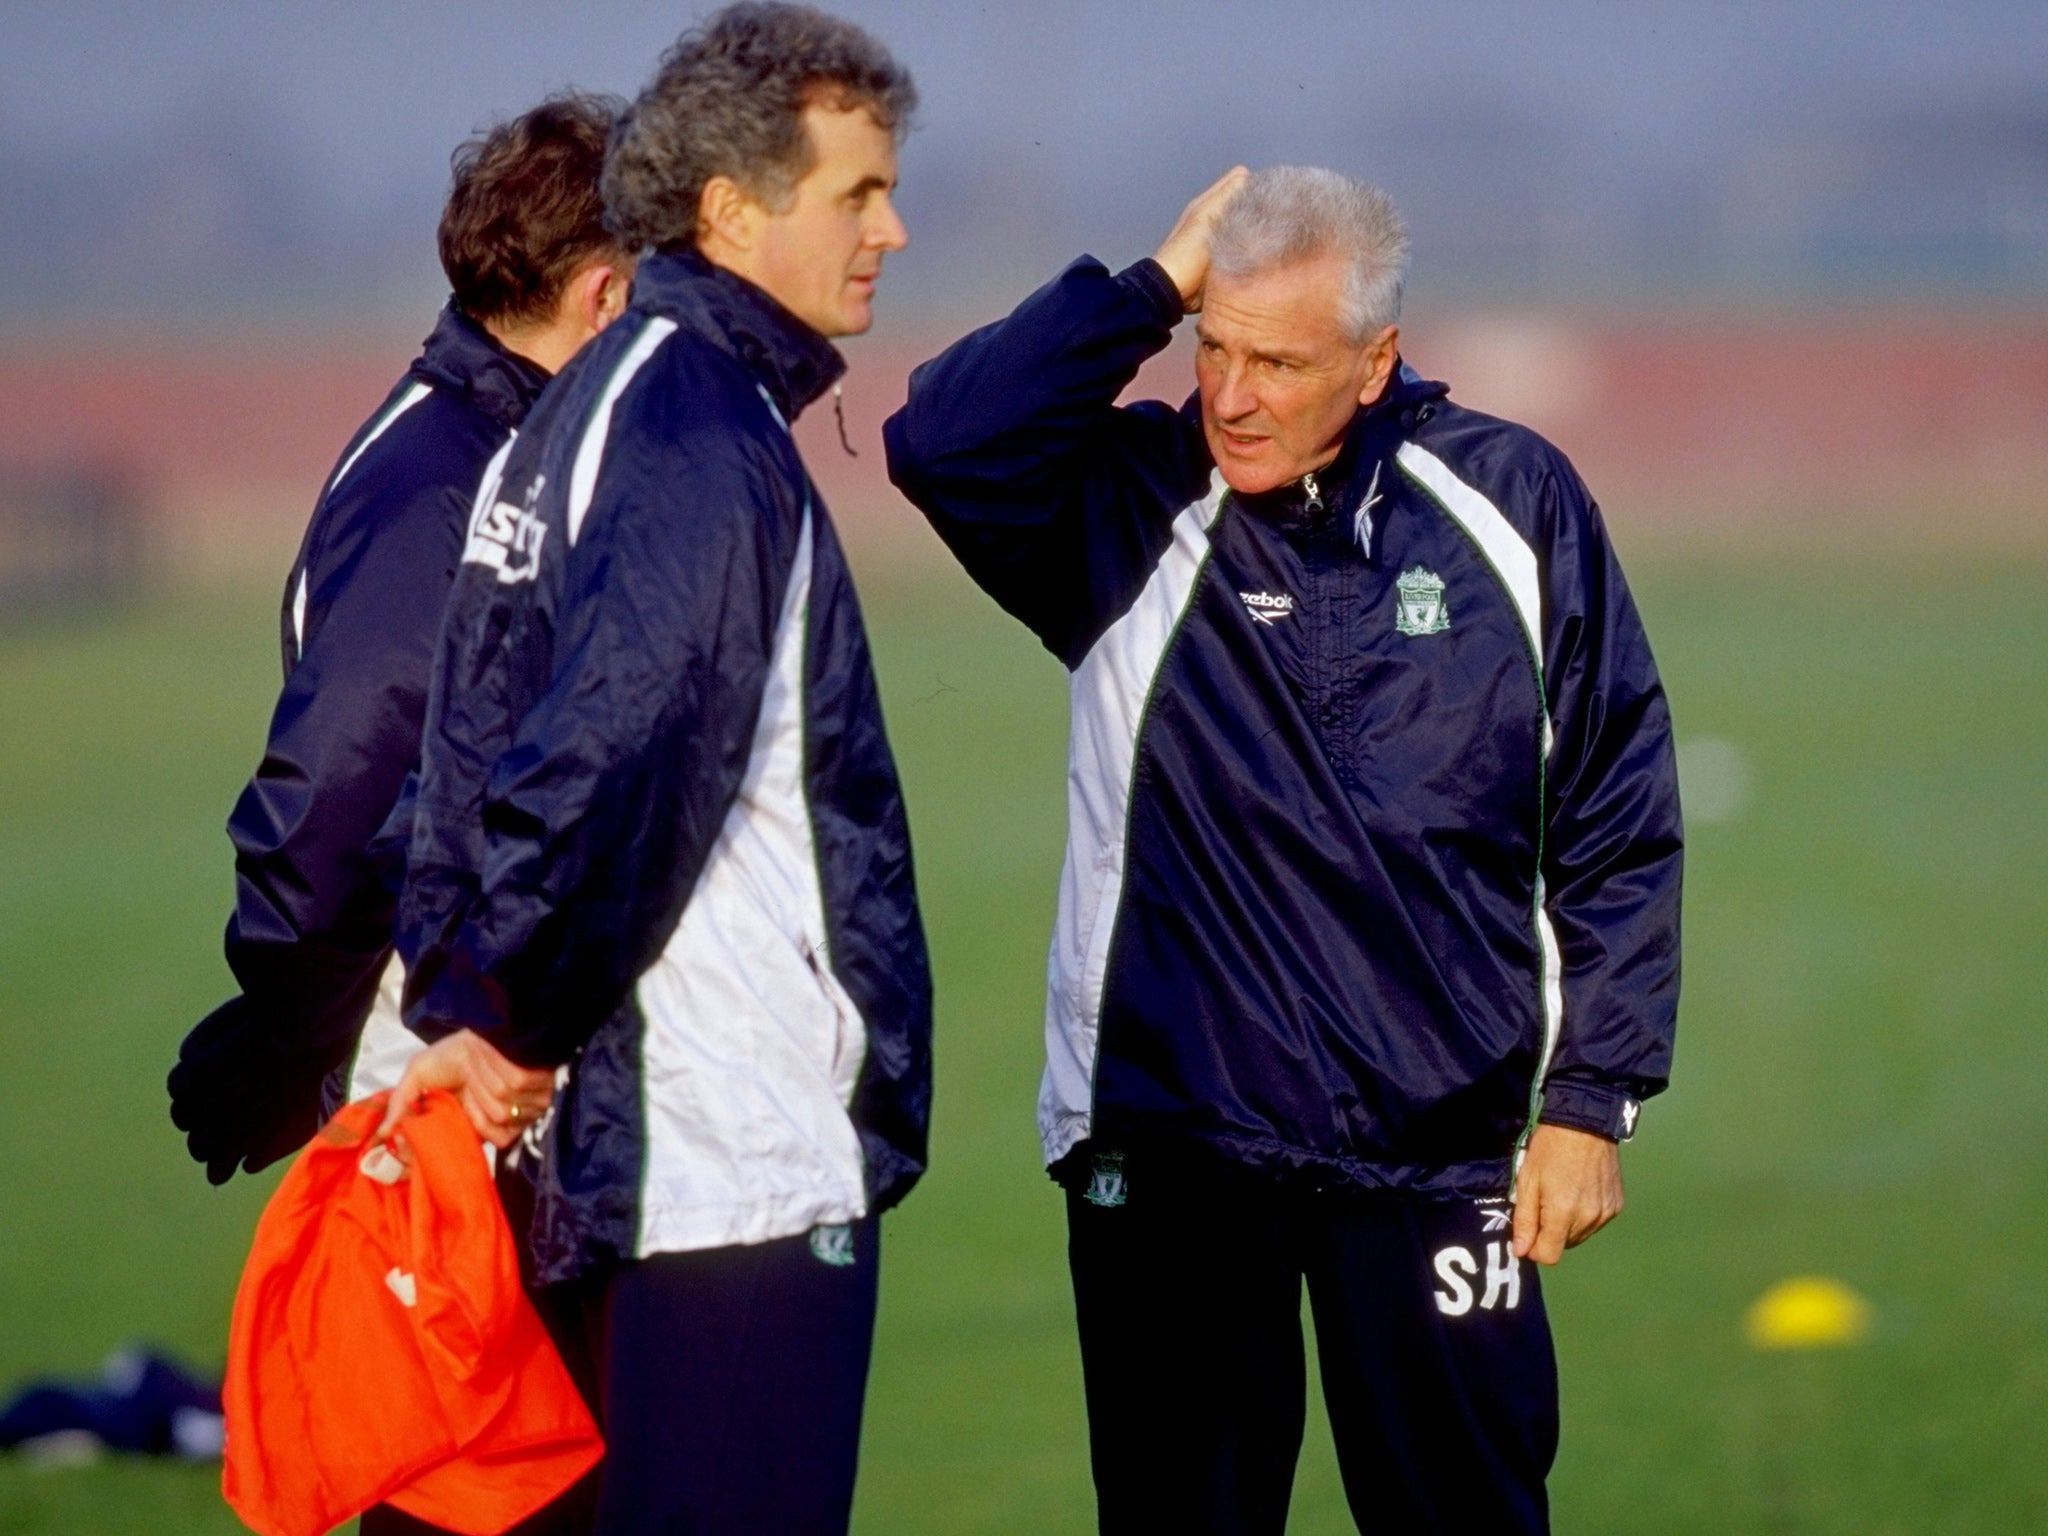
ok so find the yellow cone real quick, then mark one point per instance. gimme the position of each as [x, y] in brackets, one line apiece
[1807, 1312]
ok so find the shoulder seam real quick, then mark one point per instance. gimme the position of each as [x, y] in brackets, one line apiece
[596, 435]
[417, 392]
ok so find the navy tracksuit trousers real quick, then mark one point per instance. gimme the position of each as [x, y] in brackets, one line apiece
[1434, 1349]
[728, 1384]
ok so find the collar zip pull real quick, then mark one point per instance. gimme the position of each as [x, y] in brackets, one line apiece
[839, 415]
[1315, 494]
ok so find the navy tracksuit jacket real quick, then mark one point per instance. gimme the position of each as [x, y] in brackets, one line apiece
[1373, 852]
[659, 837]
[311, 932]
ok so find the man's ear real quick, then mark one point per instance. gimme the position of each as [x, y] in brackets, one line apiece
[727, 218]
[1381, 352]
[594, 296]
[610, 284]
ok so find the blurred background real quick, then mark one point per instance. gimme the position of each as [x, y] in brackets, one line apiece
[1776, 278]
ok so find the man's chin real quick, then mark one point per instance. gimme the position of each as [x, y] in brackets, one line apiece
[1249, 479]
[1247, 473]
[853, 319]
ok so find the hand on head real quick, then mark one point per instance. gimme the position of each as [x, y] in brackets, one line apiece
[500, 1097]
[1185, 251]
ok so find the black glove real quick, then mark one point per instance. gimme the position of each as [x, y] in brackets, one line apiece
[242, 1094]
[247, 1089]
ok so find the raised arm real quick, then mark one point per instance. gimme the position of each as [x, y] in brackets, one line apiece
[1012, 445]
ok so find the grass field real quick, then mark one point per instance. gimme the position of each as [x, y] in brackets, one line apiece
[1862, 1086]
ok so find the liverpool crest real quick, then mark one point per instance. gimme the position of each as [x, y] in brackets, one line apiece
[1419, 607]
[1106, 1180]
[833, 1244]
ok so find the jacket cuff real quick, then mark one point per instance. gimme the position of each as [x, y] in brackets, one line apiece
[454, 995]
[1150, 279]
[1602, 1109]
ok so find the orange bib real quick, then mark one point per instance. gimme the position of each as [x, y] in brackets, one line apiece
[382, 1350]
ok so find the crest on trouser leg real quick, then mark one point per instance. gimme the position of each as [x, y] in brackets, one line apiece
[833, 1244]
[1106, 1180]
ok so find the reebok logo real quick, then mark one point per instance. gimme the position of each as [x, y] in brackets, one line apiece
[1268, 607]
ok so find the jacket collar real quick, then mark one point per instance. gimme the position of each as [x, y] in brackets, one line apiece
[1405, 404]
[793, 362]
[465, 360]
[1401, 401]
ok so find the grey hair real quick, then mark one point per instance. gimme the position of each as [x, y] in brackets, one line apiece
[1289, 213]
[728, 100]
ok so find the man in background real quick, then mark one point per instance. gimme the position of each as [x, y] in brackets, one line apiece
[1366, 952]
[533, 274]
[660, 843]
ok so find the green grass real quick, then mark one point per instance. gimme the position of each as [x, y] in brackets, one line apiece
[1862, 1077]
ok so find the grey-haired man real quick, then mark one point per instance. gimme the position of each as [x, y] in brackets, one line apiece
[1367, 939]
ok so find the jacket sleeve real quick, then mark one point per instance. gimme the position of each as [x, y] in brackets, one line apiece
[311, 928]
[344, 736]
[1612, 849]
[435, 834]
[1054, 499]
[598, 819]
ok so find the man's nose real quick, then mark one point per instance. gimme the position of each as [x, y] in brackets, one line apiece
[1234, 399]
[886, 230]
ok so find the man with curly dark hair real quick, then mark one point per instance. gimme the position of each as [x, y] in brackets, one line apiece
[660, 844]
[533, 273]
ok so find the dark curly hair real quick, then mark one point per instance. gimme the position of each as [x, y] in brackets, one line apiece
[728, 100]
[524, 211]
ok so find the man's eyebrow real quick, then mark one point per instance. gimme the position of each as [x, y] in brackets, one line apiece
[870, 183]
[1258, 354]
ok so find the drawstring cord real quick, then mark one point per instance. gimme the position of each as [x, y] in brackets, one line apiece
[839, 415]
